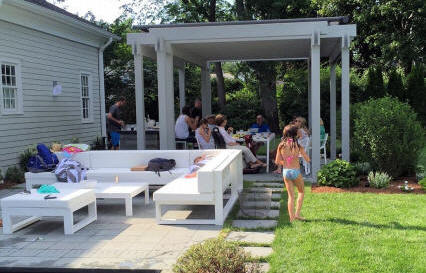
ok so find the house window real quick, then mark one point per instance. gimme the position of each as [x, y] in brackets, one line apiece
[86, 103]
[11, 93]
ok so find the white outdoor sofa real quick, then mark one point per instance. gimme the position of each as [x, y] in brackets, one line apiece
[224, 170]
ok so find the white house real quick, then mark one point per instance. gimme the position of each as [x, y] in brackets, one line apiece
[43, 46]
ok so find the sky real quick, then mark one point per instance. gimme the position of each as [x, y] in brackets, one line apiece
[107, 10]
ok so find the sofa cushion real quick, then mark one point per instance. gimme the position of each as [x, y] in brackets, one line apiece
[126, 175]
[128, 159]
[182, 190]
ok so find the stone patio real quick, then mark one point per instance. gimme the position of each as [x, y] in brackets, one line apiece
[113, 241]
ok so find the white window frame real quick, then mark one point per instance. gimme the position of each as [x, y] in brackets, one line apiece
[89, 119]
[19, 107]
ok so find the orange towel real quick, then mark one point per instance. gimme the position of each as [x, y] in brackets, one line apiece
[139, 168]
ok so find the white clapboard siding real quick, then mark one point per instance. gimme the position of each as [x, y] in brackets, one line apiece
[46, 58]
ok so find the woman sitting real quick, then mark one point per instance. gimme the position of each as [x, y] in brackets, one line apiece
[204, 135]
[249, 158]
[183, 124]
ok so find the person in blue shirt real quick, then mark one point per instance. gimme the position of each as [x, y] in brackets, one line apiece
[260, 125]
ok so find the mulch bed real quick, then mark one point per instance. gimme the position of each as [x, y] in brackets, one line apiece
[392, 189]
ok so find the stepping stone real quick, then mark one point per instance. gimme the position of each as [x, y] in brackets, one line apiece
[268, 184]
[251, 237]
[263, 189]
[260, 196]
[260, 204]
[253, 224]
[258, 252]
[264, 267]
[259, 213]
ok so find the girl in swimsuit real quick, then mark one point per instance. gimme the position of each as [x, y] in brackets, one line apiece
[288, 152]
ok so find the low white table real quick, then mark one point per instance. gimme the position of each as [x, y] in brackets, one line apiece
[34, 205]
[119, 190]
[124, 191]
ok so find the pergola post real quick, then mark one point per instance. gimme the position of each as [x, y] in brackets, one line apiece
[315, 103]
[139, 96]
[165, 95]
[181, 72]
[309, 95]
[206, 90]
[345, 98]
[332, 111]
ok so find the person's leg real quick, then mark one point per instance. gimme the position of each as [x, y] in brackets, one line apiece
[300, 184]
[249, 156]
[115, 140]
[290, 202]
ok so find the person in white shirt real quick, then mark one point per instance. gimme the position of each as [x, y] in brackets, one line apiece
[184, 124]
[231, 143]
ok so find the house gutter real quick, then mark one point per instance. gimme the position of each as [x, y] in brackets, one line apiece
[102, 85]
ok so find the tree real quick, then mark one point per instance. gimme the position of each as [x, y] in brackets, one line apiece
[189, 11]
[389, 32]
[395, 86]
[375, 87]
[416, 92]
[266, 71]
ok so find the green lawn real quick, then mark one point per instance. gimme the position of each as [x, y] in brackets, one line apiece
[273, 145]
[353, 233]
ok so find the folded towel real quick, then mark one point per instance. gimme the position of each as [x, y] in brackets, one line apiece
[47, 189]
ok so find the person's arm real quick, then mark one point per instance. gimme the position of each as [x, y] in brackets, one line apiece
[111, 117]
[228, 139]
[279, 157]
[303, 153]
[191, 123]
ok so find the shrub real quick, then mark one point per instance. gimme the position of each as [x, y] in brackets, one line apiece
[379, 180]
[420, 172]
[388, 135]
[362, 168]
[14, 175]
[416, 90]
[395, 86]
[215, 255]
[423, 184]
[338, 173]
[25, 156]
[375, 87]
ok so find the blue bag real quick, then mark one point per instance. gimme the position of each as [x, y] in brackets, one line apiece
[49, 158]
[44, 161]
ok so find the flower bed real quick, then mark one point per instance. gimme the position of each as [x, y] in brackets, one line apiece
[392, 189]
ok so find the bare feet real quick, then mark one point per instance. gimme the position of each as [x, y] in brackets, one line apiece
[300, 218]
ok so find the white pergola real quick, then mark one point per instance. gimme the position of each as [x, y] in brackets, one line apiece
[306, 39]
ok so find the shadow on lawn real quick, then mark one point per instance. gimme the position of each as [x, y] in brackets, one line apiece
[391, 225]
[284, 219]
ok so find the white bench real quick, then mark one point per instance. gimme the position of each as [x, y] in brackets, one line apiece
[207, 189]
[120, 190]
[35, 206]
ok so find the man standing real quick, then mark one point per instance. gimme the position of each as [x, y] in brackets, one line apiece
[260, 125]
[115, 123]
[196, 111]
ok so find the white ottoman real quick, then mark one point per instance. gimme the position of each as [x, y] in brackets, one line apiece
[34, 205]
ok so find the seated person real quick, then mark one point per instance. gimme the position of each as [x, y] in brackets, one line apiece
[184, 124]
[204, 135]
[260, 125]
[211, 121]
[248, 156]
[199, 162]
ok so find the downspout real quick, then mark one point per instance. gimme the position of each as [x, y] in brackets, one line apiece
[102, 85]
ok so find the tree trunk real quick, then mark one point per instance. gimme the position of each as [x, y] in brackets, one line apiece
[268, 95]
[220, 85]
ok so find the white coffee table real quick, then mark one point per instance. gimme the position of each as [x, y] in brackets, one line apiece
[124, 191]
[34, 205]
[121, 190]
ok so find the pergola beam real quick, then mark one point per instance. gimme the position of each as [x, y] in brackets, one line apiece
[315, 103]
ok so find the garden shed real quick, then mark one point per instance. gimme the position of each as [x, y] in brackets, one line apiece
[306, 39]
